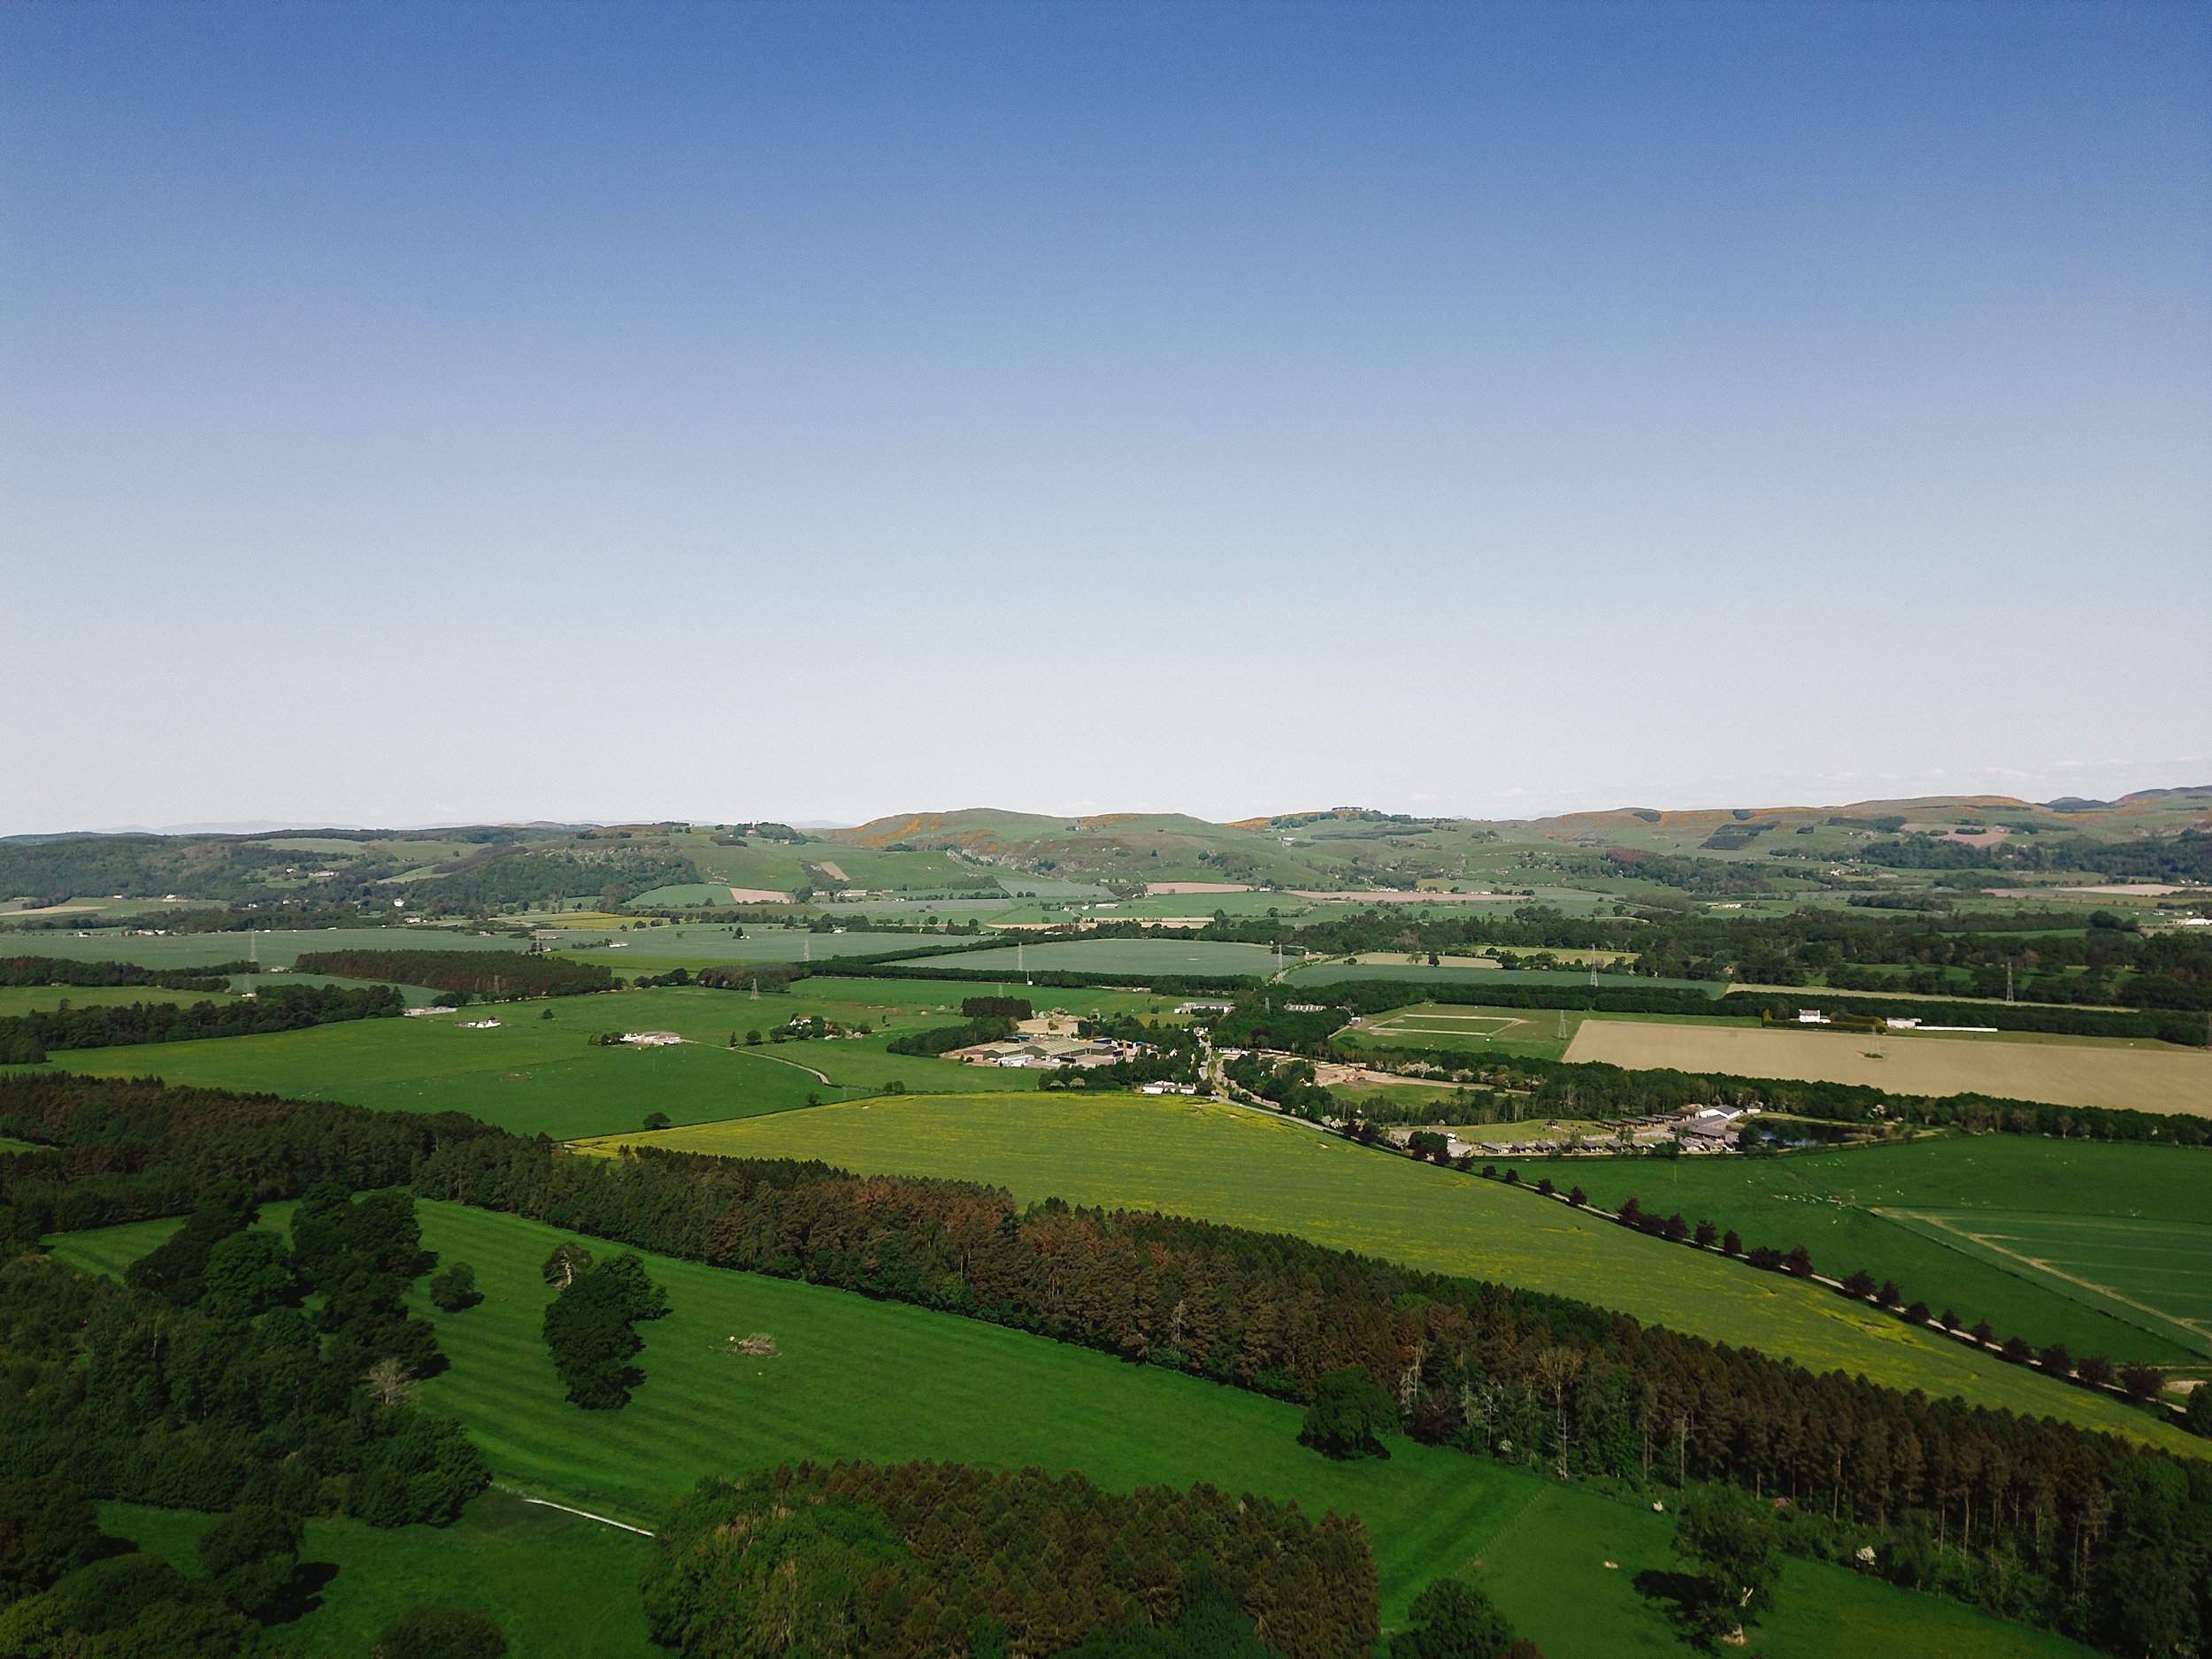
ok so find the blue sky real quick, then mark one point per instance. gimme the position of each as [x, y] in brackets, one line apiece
[418, 412]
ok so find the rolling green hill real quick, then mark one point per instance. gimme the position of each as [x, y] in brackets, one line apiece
[1251, 1168]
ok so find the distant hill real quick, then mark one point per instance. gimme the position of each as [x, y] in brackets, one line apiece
[1626, 853]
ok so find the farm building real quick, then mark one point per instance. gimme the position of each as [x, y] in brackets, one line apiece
[1042, 1052]
[651, 1039]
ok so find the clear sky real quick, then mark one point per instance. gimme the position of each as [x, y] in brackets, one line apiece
[433, 412]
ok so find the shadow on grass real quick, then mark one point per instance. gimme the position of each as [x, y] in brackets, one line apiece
[303, 1594]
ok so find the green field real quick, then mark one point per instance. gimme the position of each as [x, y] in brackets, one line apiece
[2107, 1249]
[44, 999]
[1253, 1170]
[690, 944]
[560, 1586]
[700, 895]
[1118, 955]
[1045, 887]
[861, 1379]
[2154, 1274]
[1540, 1033]
[535, 1075]
[278, 949]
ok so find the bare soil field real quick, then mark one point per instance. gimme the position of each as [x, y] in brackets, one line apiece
[1153, 889]
[2144, 1076]
[758, 896]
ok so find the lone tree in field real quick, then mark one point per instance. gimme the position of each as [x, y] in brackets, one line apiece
[1728, 1545]
[455, 1289]
[592, 1333]
[1347, 1417]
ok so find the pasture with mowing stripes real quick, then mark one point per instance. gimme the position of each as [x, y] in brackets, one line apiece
[1252, 1169]
[854, 1378]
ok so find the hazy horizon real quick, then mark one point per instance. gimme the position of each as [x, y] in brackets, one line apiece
[493, 413]
[261, 826]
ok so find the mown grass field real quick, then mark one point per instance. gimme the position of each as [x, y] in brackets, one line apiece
[2130, 1219]
[1120, 956]
[1249, 1169]
[2143, 1076]
[860, 1379]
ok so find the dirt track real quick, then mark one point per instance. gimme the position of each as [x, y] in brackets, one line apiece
[2147, 1077]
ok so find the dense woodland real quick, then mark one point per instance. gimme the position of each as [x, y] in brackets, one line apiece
[494, 975]
[27, 1039]
[202, 1383]
[936, 1559]
[610, 876]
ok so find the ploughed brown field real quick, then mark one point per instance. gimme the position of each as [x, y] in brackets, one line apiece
[2138, 1074]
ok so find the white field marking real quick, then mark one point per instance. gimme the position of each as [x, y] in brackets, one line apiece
[566, 1508]
[1464, 1027]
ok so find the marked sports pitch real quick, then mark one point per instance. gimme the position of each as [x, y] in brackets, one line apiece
[1437, 1022]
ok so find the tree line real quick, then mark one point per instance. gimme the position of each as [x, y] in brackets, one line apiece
[944, 1039]
[24, 970]
[27, 1039]
[1929, 956]
[2030, 1517]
